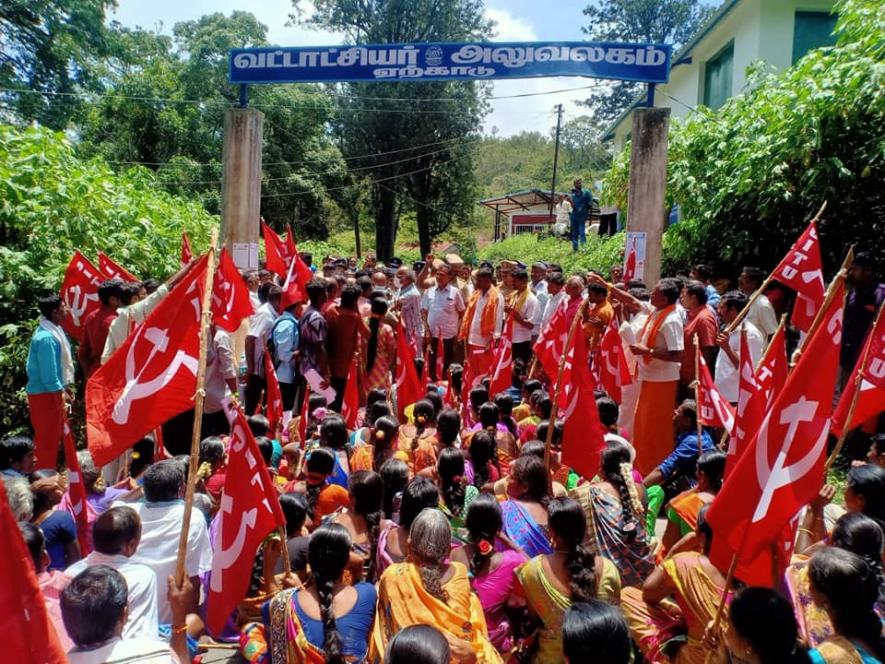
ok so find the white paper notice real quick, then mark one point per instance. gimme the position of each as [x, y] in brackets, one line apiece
[314, 380]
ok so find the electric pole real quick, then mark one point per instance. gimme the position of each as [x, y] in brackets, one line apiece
[555, 157]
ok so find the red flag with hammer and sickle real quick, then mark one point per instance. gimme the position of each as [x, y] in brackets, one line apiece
[79, 291]
[231, 303]
[802, 270]
[867, 381]
[113, 270]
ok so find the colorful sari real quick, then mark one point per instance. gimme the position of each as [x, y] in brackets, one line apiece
[814, 623]
[459, 527]
[633, 558]
[403, 601]
[522, 529]
[655, 626]
[550, 605]
[684, 510]
[493, 590]
[363, 458]
[423, 455]
[839, 650]
[280, 639]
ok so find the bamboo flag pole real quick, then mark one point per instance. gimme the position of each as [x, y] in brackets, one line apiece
[697, 395]
[720, 610]
[551, 422]
[287, 564]
[858, 379]
[761, 290]
[199, 396]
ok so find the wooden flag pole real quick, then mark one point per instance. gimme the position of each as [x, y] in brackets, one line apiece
[551, 422]
[697, 395]
[761, 290]
[287, 564]
[199, 396]
[720, 610]
[858, 379]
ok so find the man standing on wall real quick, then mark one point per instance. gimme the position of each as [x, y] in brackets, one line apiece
[582, 201]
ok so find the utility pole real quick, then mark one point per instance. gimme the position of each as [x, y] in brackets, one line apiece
[555, 157]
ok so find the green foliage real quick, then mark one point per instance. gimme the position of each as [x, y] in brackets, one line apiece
[598, 254]
[53, 203]
[750, 175]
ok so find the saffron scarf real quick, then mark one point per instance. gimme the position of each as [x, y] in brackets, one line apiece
[487, 322]
[656, 320]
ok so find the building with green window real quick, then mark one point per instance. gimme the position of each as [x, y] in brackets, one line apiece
[712, 66]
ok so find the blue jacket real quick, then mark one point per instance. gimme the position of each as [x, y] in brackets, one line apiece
[44, 364]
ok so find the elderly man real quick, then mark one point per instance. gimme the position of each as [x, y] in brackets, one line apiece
[441, 309]
[408, 303]
[482, 323]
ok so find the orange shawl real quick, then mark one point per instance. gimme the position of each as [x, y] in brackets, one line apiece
[487, 322]
[658, 317]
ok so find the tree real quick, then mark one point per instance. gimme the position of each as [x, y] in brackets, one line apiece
[50, 51]
[421, 134]
[652, 21]
[581, 149]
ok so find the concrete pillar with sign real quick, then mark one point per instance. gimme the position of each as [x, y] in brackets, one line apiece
[241, 185]
[648, 182]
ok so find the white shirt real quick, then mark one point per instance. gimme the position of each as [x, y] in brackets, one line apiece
[475, 338]
[127, 318]
[762, 316]
[142, 584]
[219, 368]
[552, 303]
[160, 530]
[128, 651]
[540, 291]
[531, 312]
[443, 307]
[260, 326]
[670, 337]
[727, 376]
[563, 210]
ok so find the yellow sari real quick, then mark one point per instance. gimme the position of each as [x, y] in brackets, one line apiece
[363, 458]
[403, 601]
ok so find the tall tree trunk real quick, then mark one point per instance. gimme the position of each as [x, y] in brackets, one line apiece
[385, 224]
[356, 233]
[424, 217]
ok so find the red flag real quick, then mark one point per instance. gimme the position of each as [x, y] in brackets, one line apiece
[231, 303]
[350, 405]
[186, 254]
[772, 372]
[408, 388]
[802, 270]
[750, 409]
[305, 415]
[870, 368]
[291, 249]
[502, 369]
[276, 252]
[583, 436]
[113, 270]
[272, 395]
[29, 636]
[630, 262]
[77, 490]
[160, 452]
[612, 363]
[713, 409]
[249, 511]
[551, 342]
[295, 286]
[782, 469]
[151, 377]
[79, 291]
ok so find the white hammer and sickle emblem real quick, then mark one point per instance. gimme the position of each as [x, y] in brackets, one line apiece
[225, 557]
[78, 302]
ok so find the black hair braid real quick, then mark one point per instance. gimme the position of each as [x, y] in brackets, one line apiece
[332, 642]
[372, 346]
[481, 476]
[453, 495]
[620, 483]
[431, 578]
[313, 494]
[581, 563]
[373, 520]
[380, 447]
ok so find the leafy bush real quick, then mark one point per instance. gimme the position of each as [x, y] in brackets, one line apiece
[54, 203]
[598, 254]
[750, 175]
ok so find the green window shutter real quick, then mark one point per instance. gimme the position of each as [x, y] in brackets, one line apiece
[717, 77]
[812, 30]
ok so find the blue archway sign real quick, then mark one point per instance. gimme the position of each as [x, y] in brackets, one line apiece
[473, 61]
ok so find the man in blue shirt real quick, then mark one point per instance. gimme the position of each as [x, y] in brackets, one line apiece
[285, 337]
[582, 201]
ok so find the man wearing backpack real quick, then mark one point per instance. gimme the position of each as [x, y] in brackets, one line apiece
[283, 347]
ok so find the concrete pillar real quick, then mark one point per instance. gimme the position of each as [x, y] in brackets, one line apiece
[241, 185]
[648, 182]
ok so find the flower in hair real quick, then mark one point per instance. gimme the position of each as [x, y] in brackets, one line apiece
[379, 435]
[485, 547]
[421, 419]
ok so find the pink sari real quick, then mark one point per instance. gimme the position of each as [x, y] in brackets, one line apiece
[493, 590]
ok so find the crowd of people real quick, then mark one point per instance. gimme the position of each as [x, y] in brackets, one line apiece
[449, 529]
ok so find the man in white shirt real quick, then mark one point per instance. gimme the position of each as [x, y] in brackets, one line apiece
[523, 306]
[441, 309]
[761, 312]
[162, 514]
[408, 303]
[482, 323]
[260, 326]
[556, 292]
[116, 535]
[659, 349]
[728, 364]
[540, 289]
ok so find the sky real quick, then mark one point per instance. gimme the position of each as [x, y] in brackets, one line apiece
[517, 20]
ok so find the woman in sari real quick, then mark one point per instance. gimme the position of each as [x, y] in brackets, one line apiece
[682, 513]
[844, 585]
[362, 519]
[327, 622]
[379, 349]
[418, 441]
[505, 443]
[491, 569]
[376, 406]
[428, 591]
[854, 532]
[381, 447]
[571, 573]
[657, 622]
[481, 468]
[456, 493]
[393, 539]
[525, 510]
[615, 514]
[323, 498]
